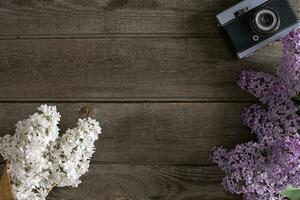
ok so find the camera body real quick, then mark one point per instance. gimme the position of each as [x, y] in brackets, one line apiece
[253, 24]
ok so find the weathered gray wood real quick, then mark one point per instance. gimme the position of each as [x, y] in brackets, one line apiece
[148, 133]
[123, 182]
[125, 69]
[130, 18]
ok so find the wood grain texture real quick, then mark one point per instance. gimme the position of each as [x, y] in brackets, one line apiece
[124, 182]
[148, 133]
[125, 69]
[94, 18]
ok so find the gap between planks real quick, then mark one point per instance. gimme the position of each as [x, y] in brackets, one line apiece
[99, 36]
[126, 100]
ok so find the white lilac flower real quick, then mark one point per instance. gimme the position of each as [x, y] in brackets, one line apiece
[39, 159]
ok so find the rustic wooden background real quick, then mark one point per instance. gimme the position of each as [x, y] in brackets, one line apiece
[155, 73]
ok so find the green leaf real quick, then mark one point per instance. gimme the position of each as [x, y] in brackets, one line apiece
[296, 100]
[291, 193]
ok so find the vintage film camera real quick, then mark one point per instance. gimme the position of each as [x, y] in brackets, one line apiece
[253, 24]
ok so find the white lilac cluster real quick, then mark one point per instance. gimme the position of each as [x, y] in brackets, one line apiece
[39, 159]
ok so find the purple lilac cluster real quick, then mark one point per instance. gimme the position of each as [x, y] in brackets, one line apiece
[261, 170]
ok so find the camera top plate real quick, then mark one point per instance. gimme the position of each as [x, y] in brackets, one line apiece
[229, 14]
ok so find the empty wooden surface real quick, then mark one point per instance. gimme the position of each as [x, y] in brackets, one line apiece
[124, 69]
[155, 73]
[128, 182]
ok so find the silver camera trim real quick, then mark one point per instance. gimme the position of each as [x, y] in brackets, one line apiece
[228, 15]
[270, 40]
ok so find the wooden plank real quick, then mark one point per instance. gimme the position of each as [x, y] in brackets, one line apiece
[125, 69]
[122, 182]
[148, 133]
[129, 18]
[134, 182]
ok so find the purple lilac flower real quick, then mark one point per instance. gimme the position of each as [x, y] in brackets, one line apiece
[261, 170]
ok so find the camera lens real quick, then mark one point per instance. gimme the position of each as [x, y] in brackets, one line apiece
[265, 21]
